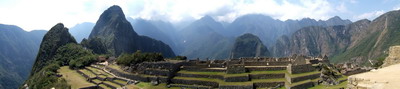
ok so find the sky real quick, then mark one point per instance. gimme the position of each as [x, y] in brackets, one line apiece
[43, 14]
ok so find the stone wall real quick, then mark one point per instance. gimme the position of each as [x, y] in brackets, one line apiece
[300, 86]
[192, 68]
[269, 68]
[393, 57]
[156, 72]
[277, 63]
[156, 65]
[159, 79]
[90, 87]
[266, 76]
[268, 84]
[126, 75]
[200, 76]
[295, 69]
[301, 78]
[235, 69]
[237, 79]
[189, 86]
[236, 87]
[195, 82]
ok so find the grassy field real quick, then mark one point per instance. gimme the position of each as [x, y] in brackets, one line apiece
[73, 78]
[90, 74]
[98, 71]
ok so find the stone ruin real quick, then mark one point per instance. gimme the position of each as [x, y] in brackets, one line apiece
[165, 71]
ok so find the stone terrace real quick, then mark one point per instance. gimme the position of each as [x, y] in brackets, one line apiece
[246, 73]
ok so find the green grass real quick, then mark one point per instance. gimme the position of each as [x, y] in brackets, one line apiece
[96, 81]
[73, 78]
[112, 84]
[301, 82]
[98, 71]
[143, 75]
[120, 81]
[104, 86]
[90, 74]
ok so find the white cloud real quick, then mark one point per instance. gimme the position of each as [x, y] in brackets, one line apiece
[43, 14]
[370, 15]
[228, 10]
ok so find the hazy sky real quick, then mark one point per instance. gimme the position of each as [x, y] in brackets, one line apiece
[43, 14]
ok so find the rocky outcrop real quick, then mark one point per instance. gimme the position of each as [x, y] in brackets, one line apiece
[118, 35]
[249, 45]
[319, 40]
[394, 56]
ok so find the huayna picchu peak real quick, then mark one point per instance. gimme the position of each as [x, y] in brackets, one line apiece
[118, 35]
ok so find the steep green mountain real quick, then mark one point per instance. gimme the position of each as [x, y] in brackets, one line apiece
[269, 29]
[56, 37]
[82, 30]
[383, 32]
[118, 35]
[200, 40]
[249, 45]
[18, 49]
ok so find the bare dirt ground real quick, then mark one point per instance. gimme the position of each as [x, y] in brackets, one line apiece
[384, 78]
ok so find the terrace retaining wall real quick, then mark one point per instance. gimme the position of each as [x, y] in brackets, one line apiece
[195, 82]
[236, 87]
[295, 69]
[200, 76]
[265, 68]
[266, 76]
[300, 86]
[189, 86]
[301, 78]
[237, 79]
[268, 84]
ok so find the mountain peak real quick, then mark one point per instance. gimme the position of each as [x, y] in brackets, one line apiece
[249, 45]
[335, 18]
[207, 18]
[113, 12]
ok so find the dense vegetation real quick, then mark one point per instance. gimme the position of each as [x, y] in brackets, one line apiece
[75, 56]
[95, 44]
[249, 45]
[70, 54]
[138, 57]
[47, 78]
[55, 38]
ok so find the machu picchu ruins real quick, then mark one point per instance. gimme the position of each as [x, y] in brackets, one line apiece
[295, 72]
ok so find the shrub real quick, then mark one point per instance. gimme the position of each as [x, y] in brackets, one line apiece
[138, 57]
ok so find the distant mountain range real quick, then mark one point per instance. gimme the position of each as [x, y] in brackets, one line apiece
[18, 50]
